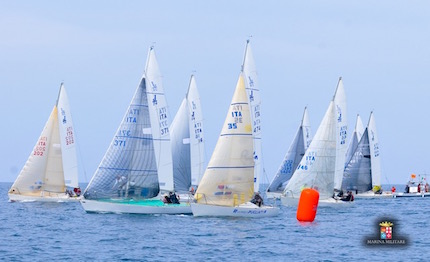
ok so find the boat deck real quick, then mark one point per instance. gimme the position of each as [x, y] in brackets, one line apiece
[142, 202]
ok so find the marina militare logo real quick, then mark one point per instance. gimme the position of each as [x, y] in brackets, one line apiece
[386, 236]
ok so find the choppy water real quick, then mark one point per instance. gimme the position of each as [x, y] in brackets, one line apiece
[64, 232]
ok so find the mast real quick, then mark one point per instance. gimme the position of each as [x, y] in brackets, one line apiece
[251, 84]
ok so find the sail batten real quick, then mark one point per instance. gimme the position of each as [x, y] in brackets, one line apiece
[209, 167]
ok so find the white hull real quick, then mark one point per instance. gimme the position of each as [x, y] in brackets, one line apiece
[371, 194]
[111, 207]
[427, 194]
[273, 195]
[245, 210]
[287, 201]
[185, 198]
[332, 202]
[52, 198]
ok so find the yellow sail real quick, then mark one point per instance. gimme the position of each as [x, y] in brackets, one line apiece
[229, 177]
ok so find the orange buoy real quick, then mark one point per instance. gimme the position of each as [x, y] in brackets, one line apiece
[308, 204]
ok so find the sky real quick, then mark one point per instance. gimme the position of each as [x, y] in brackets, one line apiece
[301, 48]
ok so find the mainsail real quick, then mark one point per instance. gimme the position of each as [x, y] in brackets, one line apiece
[68, 144]
[188, 141]
[139, 156]
[375, 158]
[294, 155]
[251, 83]
[228, 179]
[341, 133]
[160, 122]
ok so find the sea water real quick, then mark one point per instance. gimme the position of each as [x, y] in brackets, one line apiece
[65, 232]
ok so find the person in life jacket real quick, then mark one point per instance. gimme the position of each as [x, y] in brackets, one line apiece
[349, 197]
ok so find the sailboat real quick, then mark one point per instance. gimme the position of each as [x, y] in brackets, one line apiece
[363, 171]
[227, 185]
[292, 159]
[137, 167]
[319, 165]
[51, 169]
[187, 138]
[249, 71]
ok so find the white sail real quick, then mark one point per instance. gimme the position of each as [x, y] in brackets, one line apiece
[186, 134]
[68, 140]
[293, 157]
[375, 158]
[317, 167]
[180, 141]
[355, 138]
[307, 132]
[341, 133]
[359, 129]
[228, 179]
[160, 122]
[252, 88]
[36, 175]
[197, 140]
